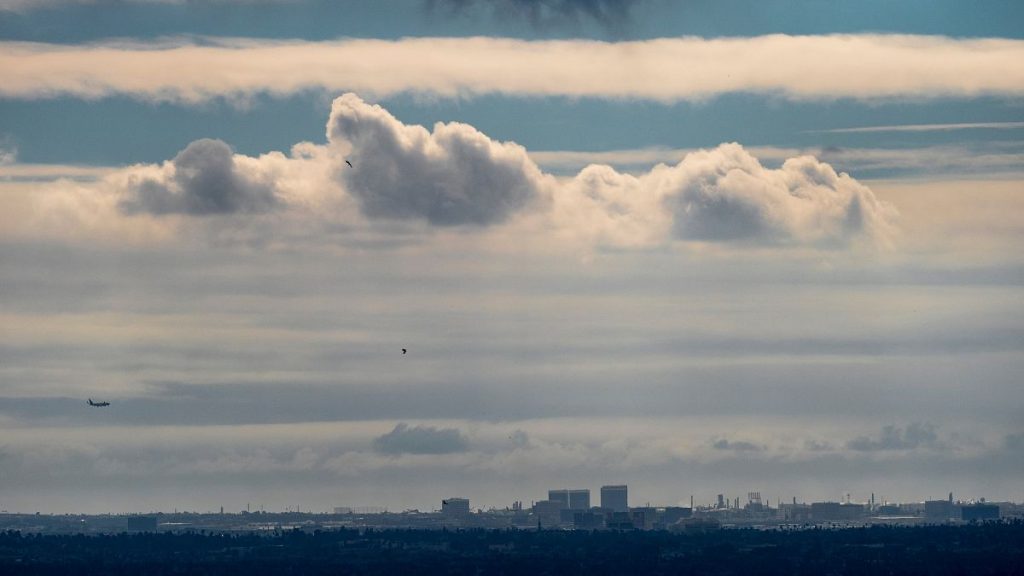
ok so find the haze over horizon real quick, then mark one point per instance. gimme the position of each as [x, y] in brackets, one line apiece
[692, 247]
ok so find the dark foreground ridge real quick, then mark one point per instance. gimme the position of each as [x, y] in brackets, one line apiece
[995, 548]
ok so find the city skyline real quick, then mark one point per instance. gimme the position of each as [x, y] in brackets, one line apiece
[387, 253]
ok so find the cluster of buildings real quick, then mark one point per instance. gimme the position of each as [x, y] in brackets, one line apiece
[563, 509]
[573, 509]
[929, 511]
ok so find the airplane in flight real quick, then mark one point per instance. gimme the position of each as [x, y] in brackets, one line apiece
[98, 404]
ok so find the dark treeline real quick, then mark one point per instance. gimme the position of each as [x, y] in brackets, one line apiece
[933, 550]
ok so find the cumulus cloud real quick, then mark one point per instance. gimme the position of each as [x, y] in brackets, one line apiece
[405, 180]
[454, 175]
[795, 67]
[420, 440]
[202, 179]
[916, 435]
[726, 195]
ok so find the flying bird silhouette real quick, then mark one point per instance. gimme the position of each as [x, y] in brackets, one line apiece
[404, 351]
[349, 164]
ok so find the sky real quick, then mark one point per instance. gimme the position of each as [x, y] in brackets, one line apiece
[694, 247]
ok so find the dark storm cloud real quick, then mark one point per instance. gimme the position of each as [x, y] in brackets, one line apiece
[452, 176]
[611, 14]
[916, 435]
[420, 440]
[205, 180]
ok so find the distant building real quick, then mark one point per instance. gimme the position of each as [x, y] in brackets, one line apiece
[560, 496]
[619, 521]
[938, 510]
[672, 514]
[795, 512]
[455, 507]
[588, 519]
[615, 498]
[889, 510]
[548, 512]
[579, 499]
[836, 511]
[979, 512]
[643, 518]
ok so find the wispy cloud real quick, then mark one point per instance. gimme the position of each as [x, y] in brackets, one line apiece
[665, 69]
[927, 127]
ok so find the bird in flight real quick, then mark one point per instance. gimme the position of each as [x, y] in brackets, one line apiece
[404, 351]
[98, 404]
[349, 164]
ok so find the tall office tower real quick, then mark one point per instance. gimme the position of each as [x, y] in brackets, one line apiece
[579, 499]
[615, 498]
[560, 496]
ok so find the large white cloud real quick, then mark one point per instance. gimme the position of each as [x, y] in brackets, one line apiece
[864, 66]
[726, 195]
[404, 181]
[455, 175]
